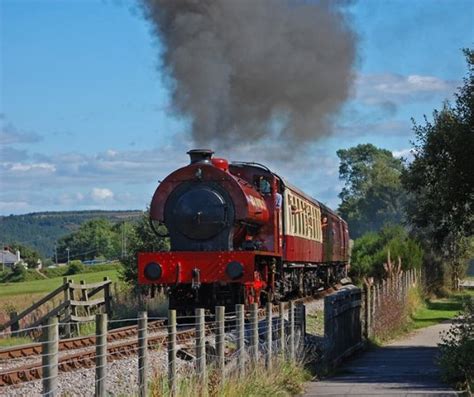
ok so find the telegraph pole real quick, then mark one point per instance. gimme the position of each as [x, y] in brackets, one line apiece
[67, 249]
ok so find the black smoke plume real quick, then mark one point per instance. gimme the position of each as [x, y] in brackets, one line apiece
[246, 70]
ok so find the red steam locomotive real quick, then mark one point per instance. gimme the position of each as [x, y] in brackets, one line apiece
[239, 233]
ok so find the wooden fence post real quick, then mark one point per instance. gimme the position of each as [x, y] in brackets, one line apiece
[49, 350]
[67, 310]
[291, 319]
[172, 352]
[281, 323]
[200, 345]
[368, 309]
[373, 290]
[268, 336]
[254, 333]
[142, 354]
[15, 326]
[240, 338]
[107, 297]
[100, 355]
[85, 297]
[301, 318]
[220, 333]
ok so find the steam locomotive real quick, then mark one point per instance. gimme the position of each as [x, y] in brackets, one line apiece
[240, 233]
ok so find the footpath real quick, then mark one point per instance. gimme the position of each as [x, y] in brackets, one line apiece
[405, 367]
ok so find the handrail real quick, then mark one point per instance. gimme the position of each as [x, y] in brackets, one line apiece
[27, 311]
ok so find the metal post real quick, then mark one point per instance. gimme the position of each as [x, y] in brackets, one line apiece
[172, 352]
[254, 332]
[220, 333]
[291, 319]
[142, 354]
[281, 324]
[100, 354]
[240, 338]
[200, 345]
[268, 335]
[50, 347]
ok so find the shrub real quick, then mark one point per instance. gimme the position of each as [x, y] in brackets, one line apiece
[19, 274]
[457, 349]
[75, 267]
[370, 252]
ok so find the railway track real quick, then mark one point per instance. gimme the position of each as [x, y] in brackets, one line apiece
[117, 350]
[33, 349]
[85, 359]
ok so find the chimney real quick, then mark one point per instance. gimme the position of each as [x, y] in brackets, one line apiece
[18, 257]
[200, 156]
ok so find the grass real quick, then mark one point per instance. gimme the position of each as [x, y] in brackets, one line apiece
[315, 322]
[284, 379]
[47, 285]
[7, 342]
[22, 294]
[435, 311]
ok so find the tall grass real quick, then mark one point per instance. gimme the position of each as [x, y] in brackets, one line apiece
[286, 378]
[394, 312]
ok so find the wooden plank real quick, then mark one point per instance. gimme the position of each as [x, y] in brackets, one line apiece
[42, 301]
[99, 284]
[93, 302]
[81, 318]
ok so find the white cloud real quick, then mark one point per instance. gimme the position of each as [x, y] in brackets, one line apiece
[26, 167]
[102, 194]
[407, 154]
[383, 89]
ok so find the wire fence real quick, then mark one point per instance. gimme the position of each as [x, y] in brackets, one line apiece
[386, 302]
[202, 348]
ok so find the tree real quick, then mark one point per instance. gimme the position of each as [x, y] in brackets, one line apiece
[372, 195]
[142, 239]
[440, 180]
[371, 250]
[94, 238]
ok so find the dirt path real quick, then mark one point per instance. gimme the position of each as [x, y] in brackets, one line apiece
[405, 367]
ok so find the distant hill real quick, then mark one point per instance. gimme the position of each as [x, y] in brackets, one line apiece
[40, 230]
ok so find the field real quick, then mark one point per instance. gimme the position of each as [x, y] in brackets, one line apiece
[23, 294]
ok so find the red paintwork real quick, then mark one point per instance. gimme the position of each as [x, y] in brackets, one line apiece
[178, 268]
[243, 194]
[299, 249]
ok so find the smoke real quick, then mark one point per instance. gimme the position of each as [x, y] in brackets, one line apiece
[249, 70]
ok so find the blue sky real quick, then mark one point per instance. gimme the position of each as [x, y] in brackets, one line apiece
[85, 118]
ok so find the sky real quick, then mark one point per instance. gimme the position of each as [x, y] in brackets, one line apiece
[85, 108]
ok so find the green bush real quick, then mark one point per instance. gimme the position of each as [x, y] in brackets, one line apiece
[457, 349]
[19, 273]
[370, 252]
[75, 267]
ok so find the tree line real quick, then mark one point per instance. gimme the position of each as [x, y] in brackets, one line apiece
[421, 209]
